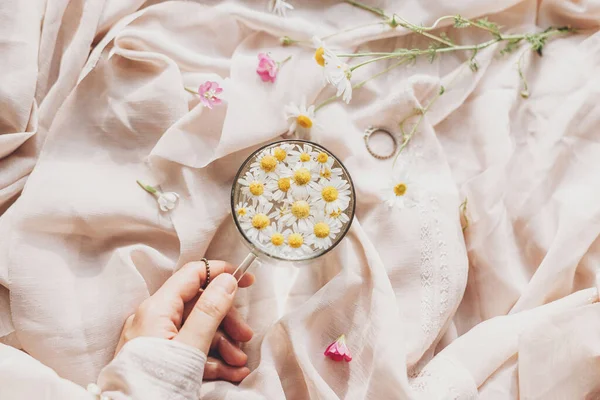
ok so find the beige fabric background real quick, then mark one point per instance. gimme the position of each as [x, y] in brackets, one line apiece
[91, 99]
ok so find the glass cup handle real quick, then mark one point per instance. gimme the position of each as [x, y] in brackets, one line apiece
[243, 267]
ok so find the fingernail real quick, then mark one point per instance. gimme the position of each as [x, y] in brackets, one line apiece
[227, 282]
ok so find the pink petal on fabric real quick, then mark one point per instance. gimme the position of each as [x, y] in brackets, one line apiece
[338, 350]
[267, 68]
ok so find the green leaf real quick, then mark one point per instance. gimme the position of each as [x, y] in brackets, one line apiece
[511, 46]
[460, 22]
[536, 41]
[442, 90]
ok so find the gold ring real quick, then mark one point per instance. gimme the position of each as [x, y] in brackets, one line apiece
[207, 280]
[371, 130]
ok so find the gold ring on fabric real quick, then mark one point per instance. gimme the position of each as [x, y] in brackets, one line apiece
[207, 280]
[371, 130]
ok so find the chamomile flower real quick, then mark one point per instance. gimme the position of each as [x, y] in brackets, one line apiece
[267, 164]
[330, 195]
[338, 74]
[333, 173]
[254, 188]
[242, 210]
[257, 222]
[400, 191]
[276, 244]
[281, 152]
[280, 7]
[300, 211]
[340, 216]
[323, 161]
[303, 157]
[297, 243]
[300, 117]
[280, 188]
[322, 230]
[321, 50]
[300, 178]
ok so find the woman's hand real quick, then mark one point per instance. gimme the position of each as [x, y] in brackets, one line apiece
[179, 311]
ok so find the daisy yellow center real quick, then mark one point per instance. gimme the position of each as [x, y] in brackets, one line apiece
[322, 158]
[319, 56]
[304, 121]
[257, 188]
[302, 176]
[304, 157]
[326, 173]
[300, 209]
[329, 194]
[336, 213]
[277, 239]
[283, 184]
[260, 221]
[295, 240]
[268, 163]
[280, 153]
[242, 211]
[321, 230]
[400, 189]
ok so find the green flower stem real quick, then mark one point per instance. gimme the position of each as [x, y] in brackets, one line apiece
[435, 24]
[280, 63]
[417, 29]
[191, 91]
[147, 188]
[525, 92]
[419, 52]
[374, 10]
[362, 83]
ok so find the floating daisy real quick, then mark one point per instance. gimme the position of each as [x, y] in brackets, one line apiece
[242, 210]
[267, 164]
[281, 152]
[322, 230]
[338, 74]
[300, 117]
[300, 211]
[254, 188]
[258, 221]
[339, 215]
[280, 188]
[400, 191]
[279, 7]
[330, 195]
[303, 157]
[324, 163]
[297, 243]
[276, 244]
[301, 177]
[333, 173]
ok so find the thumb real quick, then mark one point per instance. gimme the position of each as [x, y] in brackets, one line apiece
[204, 320]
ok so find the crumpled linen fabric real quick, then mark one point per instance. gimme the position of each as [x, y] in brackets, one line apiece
[93, 98]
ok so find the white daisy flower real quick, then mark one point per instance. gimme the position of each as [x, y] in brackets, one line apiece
[242, 209]
[254, 188]
[301, 118]
[266, 163]
[276, 244]
[400, 192]
[300, 211]
[303, 157]
[338, 74]
[340, 216]
[324, 163]
[281, 151]
[301, 177]
[279, 7]
[322, 231]
[333, 173]
[280, 187]
[330, 195]
[257, 222]
[321, 50]
[297, 243]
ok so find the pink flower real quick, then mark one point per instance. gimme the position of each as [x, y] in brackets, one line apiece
[267, 68]
[208, 92]
[338, 350]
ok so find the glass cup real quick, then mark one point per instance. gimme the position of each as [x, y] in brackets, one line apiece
[291, 200]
